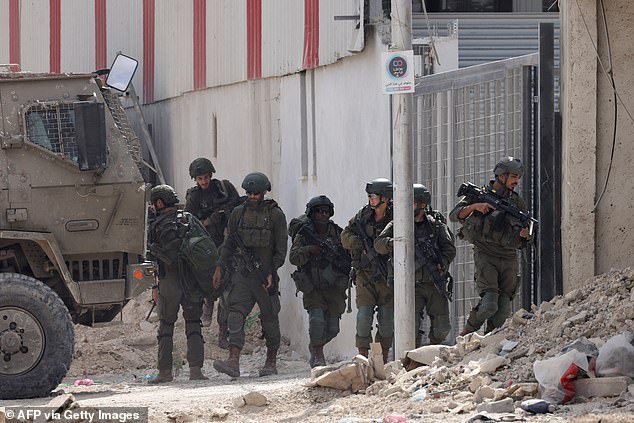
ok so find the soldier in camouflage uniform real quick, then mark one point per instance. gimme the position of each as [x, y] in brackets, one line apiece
[164, 242]
[374, 291]
[322, 274]
[427, 226]
[255, 248]
[496, 237]
[211, 201]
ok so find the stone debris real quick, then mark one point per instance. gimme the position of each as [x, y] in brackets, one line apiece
[602, 386]
[500, 372]
[253, 398]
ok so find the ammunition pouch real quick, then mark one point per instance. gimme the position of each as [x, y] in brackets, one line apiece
[302, 282]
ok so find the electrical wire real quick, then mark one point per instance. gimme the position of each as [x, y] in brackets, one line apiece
[431, 37]
[605, 72]
[616, 106]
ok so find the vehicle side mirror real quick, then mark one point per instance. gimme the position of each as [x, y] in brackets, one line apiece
[121, 72]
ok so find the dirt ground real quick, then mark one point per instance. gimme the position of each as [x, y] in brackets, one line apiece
[119, 358]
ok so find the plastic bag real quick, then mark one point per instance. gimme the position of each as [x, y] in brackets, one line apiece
[549, 373]
[616, 357]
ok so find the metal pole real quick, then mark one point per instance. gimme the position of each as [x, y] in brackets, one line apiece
[402, 106]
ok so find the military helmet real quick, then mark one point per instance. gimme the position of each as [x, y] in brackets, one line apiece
[201, 166]
[421, 193]
[508, 165]
[165, 193]
[256, 182]
[320, 200]
[380, 186]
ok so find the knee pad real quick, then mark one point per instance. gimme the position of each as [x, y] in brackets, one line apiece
[316, 325]
[365, 315]
[488, 305]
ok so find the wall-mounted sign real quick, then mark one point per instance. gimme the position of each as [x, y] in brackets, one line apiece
[398, 72]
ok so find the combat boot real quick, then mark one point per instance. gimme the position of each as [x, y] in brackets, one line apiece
[364, 351]
[231, 366]
[223, 342]
[320, 360]
[270, 367]
[163, 377]
[195, 373]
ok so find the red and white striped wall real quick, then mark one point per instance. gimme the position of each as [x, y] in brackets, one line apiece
[181, 45]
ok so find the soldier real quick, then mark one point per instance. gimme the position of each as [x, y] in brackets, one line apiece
[496, 238]
[373, 289]
[322, 272]
[429, 230]
[211, 201]
[164, 240]
[255, 248]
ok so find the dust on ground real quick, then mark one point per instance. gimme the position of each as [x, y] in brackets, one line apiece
[119, 358]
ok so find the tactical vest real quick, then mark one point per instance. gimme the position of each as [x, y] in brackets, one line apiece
[255, 226]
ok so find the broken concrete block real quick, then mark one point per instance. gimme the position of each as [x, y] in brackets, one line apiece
[602, 386]
[61, 402]
[475, 383]
[255, 398]
[482, 393]
[376, 360]
[503, 406]
[426, 354]
[489, 364]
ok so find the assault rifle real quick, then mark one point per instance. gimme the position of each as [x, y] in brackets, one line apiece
[250, 262]
[474, 191]
[335, 254]
[428, 257]
[370, 255]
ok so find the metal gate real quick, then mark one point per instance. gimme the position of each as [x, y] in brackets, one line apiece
[464, 122]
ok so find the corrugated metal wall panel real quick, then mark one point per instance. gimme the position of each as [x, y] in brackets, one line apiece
[34, 35]
[226, 42]
[124, 20]
[335, 36]
[485, 38]
[282, 36]
[173, 62]
[77, 36]
[4, 31]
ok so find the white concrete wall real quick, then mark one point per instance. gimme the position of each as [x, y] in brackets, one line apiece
[596, 241]
[259, 128]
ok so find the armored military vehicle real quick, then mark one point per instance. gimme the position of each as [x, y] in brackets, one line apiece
[72, 219]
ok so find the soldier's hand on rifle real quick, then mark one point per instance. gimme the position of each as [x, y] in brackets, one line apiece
[269, 281]
[314, 250]
[215, 281]
[525, 234]
[483, 208]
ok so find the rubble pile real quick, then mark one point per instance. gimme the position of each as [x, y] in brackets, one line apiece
[495, 373]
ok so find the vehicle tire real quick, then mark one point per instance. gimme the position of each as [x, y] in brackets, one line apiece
[36, 338]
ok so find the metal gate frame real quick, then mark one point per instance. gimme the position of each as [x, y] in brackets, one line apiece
[464, 122]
